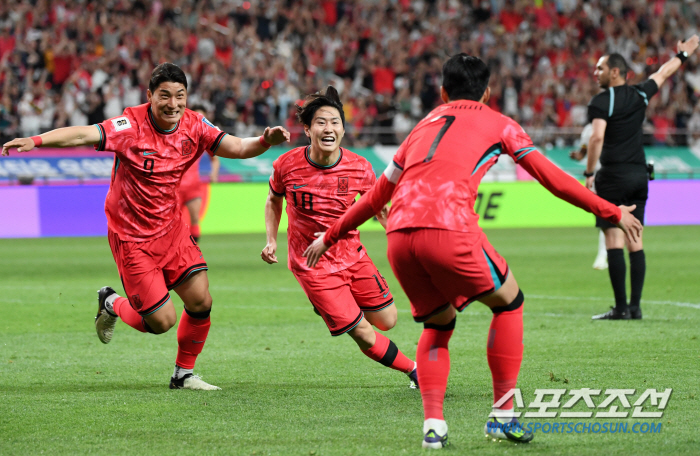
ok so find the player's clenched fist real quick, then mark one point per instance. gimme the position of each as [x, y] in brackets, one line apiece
[268, 253]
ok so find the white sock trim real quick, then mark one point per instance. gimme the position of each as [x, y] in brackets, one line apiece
[503, 415]
[439, 426]
[180, 372]
[109, 302]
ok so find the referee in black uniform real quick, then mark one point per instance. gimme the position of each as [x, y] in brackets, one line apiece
[617, 115]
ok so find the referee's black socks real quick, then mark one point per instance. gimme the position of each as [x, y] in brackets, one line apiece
[618, 272]
[638, 268]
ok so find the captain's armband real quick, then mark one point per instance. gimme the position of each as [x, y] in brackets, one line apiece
[393, 172]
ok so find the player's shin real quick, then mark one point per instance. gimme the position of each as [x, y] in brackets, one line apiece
[504, 351]
[128, 315]
[385, 352]
[433, 359]
[191, 334]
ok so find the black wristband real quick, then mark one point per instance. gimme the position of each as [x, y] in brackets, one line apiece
[683, 56]
[587, 174]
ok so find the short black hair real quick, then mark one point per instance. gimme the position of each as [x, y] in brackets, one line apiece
[166, 72]
[305, 112]
[465, 77]
[617, 61]
[198, 107]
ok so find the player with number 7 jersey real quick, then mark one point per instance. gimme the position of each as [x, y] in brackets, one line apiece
[436, 249]
[320, 182]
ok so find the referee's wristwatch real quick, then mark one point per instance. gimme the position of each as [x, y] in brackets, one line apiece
[587, 174]
[683, 56]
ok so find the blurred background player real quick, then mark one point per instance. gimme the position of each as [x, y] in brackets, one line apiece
[601, 259]
[320, 182]
[192, 189]
[437, 250]
[617, 115]
[154, 144]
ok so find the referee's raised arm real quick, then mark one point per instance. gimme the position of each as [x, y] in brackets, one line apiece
[685, 49]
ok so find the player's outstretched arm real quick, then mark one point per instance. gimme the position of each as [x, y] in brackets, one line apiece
[688, 46]
[371, 203]
[273, 214]
[61, 137]
[235, 147]
[567, 188]
[629, 223]
[383, 216]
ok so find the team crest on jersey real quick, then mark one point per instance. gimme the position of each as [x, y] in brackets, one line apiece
[343, 184]
[121, 123]
[187, 147]
[136, 301]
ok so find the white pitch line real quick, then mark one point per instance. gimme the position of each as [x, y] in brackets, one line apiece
[596, 298]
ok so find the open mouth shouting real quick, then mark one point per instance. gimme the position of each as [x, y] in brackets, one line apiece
[328, 140]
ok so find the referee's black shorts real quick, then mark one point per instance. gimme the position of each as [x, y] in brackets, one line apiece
[623, 184]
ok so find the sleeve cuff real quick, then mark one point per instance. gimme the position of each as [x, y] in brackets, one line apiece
[273, 190]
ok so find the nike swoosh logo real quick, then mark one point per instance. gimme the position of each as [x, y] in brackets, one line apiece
[149, 153]
[386, 294]
[297, 187]
[197, 341]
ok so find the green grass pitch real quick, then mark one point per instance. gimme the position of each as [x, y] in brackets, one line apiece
[289, 388]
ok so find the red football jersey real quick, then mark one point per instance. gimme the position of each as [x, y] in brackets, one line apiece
[316, 197]
[191, 176]
[149, 163]
[443, 160]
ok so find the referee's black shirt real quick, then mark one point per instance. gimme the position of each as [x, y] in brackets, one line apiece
[623, 107]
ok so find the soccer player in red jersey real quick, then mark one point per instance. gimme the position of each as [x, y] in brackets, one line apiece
[320, 182]
[436, 249]
[191, 188]
[154, 144]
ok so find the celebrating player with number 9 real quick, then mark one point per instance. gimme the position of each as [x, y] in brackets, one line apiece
[154, 144]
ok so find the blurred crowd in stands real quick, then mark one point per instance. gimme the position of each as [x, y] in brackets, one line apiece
[76, 62]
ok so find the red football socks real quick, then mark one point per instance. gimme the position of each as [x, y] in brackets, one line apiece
[128, 315]
[504, 351]
[433, 359]
[385, 352]
[191, 335]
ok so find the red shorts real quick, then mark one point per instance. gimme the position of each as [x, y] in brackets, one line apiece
[150, 269]
[190, 191]
[190, 186]
[342, 297]
[438, 268]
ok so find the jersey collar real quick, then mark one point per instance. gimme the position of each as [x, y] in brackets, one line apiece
[158, 129]
[307, 154]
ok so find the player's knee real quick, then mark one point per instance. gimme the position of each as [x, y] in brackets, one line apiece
[203, 304]
[449, 326]
[386, 322]
[515, 304]
[161, 325]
